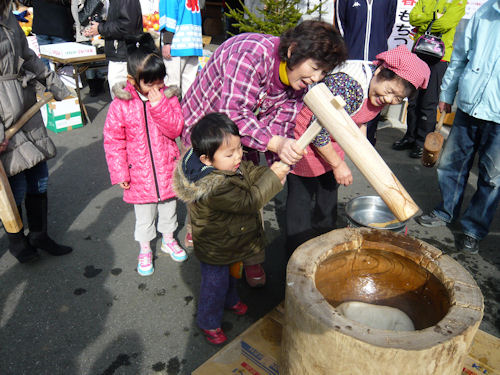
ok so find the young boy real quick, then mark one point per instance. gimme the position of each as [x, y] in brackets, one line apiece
[224, 195]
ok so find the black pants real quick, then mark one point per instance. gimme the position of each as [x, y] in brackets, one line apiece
[421, 118]
[371, 130]
[311, 208]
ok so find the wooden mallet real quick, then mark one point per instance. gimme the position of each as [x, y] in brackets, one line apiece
[433, 144]
[334, 118]
[9, 214]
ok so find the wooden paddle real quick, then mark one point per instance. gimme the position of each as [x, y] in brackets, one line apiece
[433, 144]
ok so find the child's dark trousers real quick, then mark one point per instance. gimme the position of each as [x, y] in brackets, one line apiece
[218, 291]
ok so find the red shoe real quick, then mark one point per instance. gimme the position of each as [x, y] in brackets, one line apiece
[239, 309]
[255, 275]
[215, 336]
[188, 240]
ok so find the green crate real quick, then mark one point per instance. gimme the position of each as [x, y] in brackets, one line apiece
[63, 115]
[63, 123]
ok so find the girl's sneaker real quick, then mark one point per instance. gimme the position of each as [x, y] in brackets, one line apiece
[172, 248]
[145, 265]
[215, 336]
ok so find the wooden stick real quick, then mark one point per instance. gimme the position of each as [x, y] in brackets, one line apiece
[9, 214]
[47, 97]
[440, 122]
[329, 110]
[308, 136]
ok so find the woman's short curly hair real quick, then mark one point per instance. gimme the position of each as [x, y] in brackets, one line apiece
[315, 40]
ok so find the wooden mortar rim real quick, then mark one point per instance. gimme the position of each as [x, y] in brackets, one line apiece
[463, 314]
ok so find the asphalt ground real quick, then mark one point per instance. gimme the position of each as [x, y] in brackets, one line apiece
[91, 313]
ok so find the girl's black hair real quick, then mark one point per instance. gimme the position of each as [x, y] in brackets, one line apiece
[143, 59]
[209, 133]
[386, 74]
[315, 40]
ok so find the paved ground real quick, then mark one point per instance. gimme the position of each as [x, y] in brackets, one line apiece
[91, 313]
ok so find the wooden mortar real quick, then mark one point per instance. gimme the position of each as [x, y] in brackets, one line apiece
[385, 268]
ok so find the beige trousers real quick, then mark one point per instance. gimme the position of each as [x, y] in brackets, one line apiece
[181, 71]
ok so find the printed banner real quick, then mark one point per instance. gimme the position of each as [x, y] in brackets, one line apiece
[401, 32]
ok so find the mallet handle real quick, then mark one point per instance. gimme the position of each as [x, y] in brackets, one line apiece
[440, 122]
[47, 97]
[308, 136]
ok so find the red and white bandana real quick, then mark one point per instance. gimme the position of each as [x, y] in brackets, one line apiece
[405, 64]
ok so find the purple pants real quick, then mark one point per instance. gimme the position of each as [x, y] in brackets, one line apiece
[217, 291]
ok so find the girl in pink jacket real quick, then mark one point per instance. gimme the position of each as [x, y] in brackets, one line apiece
[139, 140]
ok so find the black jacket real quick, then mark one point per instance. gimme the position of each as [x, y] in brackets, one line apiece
[124, 20]
[53, 18]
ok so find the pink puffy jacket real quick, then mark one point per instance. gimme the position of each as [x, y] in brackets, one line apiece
[139, 141]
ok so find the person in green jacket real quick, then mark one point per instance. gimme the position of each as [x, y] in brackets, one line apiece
[421, 117]
[224, 196]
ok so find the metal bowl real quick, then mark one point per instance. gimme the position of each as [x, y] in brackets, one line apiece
[364, 211]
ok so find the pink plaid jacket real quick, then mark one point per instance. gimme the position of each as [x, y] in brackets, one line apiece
[241, 79]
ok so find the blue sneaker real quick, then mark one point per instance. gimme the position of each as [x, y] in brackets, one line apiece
[173, 249]
[145, 264]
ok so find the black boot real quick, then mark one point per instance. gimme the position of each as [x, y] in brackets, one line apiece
[92, 87]
[36, 211]
[96, 86]
[20, 247]
[99, 85]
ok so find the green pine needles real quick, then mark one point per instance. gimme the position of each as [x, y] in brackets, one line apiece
[275, 17]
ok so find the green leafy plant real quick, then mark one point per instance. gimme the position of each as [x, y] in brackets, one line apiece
[276, 16]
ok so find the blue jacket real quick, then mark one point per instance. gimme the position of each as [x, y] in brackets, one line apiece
[365, 26]
[474, 70]
[182, 18]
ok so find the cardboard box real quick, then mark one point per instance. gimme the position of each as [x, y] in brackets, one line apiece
[202, 60]
[484, 355]
[67, 50]
[33, 44]
[257, 350]
[64, 115]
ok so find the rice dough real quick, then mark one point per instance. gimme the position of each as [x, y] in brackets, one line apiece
[376, 316]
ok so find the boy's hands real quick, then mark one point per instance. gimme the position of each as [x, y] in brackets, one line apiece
[281, 170]
[125, 185]
[154, 96]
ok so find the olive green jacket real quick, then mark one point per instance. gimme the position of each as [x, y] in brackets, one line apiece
[453, 10]
[225, 211]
